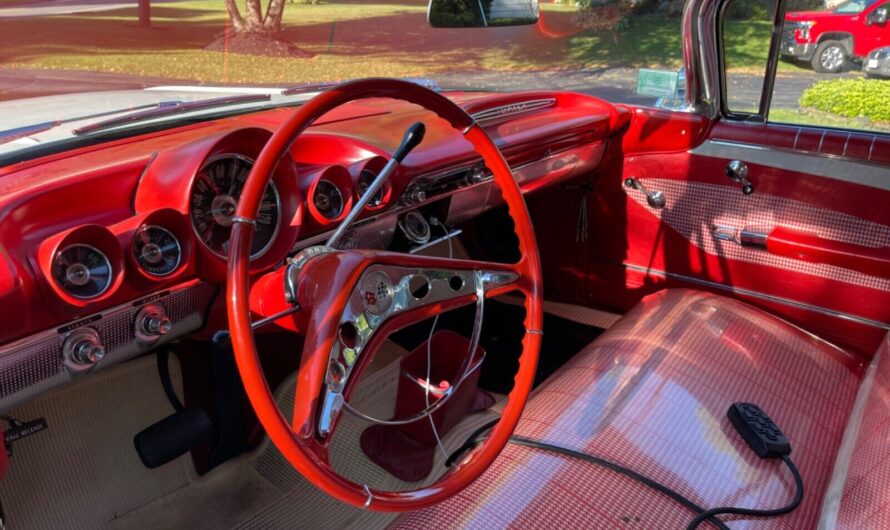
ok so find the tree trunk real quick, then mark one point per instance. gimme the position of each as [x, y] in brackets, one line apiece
[254, 17]
[235, 16]
[272, 23]
[145, 13]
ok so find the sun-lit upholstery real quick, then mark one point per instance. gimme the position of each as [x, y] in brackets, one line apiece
[652, 394]
[865, 498]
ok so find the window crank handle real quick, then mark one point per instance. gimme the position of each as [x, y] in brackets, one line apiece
[655, 199]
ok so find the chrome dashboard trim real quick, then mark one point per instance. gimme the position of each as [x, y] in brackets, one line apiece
[33, 365]
[825, 165]
[401, 208]
[759, 295]
[513, 109]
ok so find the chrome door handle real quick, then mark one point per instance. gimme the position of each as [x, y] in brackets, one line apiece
[737, 171]
[655, 199]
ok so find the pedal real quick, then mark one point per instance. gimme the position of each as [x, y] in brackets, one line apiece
[173, 436]
[758, 430]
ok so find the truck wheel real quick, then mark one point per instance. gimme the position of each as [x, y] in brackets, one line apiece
[830, 57]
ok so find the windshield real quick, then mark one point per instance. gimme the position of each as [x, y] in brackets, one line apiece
[113, 51]
[853, 7]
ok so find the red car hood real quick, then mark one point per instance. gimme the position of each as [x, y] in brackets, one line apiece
[809, 15]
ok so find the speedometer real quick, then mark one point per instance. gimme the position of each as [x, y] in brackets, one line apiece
[215, 194]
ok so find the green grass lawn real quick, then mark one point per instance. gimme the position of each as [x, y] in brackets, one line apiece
[348, 38]
[825, 119]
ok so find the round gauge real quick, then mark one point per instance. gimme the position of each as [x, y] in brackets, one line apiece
[215, 194]
[365, 178]
[156, 250]
[82, 271]
[328, 199]
[415, 227]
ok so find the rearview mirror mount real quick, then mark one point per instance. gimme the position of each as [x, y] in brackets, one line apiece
[482, 13]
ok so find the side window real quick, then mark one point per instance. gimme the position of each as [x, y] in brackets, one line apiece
[746, 30]
[835, 65]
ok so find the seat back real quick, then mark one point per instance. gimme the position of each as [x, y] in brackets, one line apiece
[860, 498]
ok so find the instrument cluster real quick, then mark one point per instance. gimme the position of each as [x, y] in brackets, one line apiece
[333, 190]
[90, 262]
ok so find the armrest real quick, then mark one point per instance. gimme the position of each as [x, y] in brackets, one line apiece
[874, 261]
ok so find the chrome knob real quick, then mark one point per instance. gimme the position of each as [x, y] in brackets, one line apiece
[82, 350]
[477, 175]
[157, 324]
[416, 195]
[152, 323]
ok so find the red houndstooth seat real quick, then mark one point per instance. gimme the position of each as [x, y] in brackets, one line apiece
[652, 394]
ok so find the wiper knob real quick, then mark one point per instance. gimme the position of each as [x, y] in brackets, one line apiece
[413, 137]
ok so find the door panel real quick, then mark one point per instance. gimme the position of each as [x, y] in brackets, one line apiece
[634, 248]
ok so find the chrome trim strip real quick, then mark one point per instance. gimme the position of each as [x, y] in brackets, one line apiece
[761, 296]
[832, 501]
[820, 164]
[244, 220]
[512, 109]
[432, 242]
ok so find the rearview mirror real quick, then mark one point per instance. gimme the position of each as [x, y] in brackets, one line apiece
[482, 13]
[878, 16]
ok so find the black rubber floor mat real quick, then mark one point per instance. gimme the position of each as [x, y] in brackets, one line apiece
[502, 334]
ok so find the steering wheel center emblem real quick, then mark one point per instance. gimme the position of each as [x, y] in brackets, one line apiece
[377, 292]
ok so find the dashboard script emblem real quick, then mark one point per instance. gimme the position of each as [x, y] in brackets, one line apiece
[376, 292]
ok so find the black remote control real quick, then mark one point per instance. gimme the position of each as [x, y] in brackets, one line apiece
[758, 430]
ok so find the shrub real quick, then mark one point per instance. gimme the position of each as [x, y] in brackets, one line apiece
[869, 98]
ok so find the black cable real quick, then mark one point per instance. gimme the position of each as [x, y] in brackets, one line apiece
[474, 440]
[798, 497]
[163, 359]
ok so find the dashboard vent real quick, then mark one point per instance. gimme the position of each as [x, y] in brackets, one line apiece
[520, 107]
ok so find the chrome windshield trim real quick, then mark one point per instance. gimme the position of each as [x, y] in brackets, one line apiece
[10, 135]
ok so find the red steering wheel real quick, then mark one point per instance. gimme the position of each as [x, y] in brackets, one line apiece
[343, 329]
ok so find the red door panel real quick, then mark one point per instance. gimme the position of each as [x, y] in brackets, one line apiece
[839, 288]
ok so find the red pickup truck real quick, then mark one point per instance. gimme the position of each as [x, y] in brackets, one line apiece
[829, 39]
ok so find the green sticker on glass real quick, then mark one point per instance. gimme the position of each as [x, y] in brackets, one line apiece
[657, 83]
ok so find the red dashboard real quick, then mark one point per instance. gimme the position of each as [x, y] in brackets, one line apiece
[116, 226]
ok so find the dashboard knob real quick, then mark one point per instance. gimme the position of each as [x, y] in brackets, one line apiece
[152, 323]
[82, 350]
[476, 175]
[157, 324]
[416, 195]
